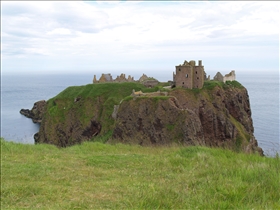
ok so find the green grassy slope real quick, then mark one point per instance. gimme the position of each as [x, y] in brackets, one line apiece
[97, 100]
[96, 175]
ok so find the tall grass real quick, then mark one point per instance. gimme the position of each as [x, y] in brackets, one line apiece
[97, 175]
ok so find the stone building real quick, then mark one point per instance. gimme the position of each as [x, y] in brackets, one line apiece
[143, 78]
[219, 77]
[103, 78]
[228, 77]
[108, 78]
[188, 75]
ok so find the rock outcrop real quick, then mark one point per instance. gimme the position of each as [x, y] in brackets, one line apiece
[147, 121]
[37, 111]
[217, 115]
[64, 127]
[220, 118]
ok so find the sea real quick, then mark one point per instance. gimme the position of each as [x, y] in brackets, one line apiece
[22, 91]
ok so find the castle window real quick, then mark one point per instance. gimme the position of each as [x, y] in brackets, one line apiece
[183, 83]
[187, 75]
[197, 77]
[196, 72]
[179, 69]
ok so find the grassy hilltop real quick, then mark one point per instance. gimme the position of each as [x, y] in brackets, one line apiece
[81, 113]
[98, 176]
[98, 97]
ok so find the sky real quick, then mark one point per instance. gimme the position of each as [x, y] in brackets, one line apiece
[48, 37]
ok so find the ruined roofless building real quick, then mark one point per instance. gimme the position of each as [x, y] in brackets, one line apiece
[103, 78]
[228, 77]
[188, 75]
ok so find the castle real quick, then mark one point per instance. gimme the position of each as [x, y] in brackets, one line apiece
[144, 79]
[109, 78]
[228, 77]
[188, 75]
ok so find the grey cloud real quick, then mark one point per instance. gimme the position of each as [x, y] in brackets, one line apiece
[62, 16]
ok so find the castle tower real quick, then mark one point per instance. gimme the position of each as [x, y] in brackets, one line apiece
[198, 75]
[188, 75]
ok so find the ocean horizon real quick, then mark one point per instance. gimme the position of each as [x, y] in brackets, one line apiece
[22, 91]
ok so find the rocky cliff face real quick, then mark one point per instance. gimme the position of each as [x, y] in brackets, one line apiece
[63, 126]
[214, 118]
[217, 116]
[37, 111]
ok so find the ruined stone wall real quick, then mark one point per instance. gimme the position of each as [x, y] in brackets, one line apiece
[218, 77]
[109, 78]
[152, 94]
[184, 76]
[229, 77]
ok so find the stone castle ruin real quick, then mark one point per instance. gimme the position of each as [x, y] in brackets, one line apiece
[152, 94]
[188, 75]
[228, 77]
[144, 79]
[108, 78]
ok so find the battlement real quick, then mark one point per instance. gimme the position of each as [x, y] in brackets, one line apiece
[191, 63]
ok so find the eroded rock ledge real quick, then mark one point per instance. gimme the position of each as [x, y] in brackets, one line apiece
[37, 111]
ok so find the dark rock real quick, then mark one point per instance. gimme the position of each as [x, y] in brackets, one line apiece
[147, 122]
[92, 130]
[219, 117]
[36, 137]
[37, 111]
[69, 131]
[27, 113]
[221, 120]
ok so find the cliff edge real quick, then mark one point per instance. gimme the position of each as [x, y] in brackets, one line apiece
[217, 115]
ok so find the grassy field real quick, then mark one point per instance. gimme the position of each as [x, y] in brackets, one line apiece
[99, 176]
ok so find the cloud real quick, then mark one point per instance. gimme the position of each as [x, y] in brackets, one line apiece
[135, 33]
[59, 31]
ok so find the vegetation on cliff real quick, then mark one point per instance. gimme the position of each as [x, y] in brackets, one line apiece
[217, 115]
[78, 112]
[102, 176]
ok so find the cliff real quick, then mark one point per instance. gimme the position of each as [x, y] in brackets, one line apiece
[217, 115]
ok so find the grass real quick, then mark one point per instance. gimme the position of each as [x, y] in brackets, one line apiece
[102, 176]
[96, 101]
[92, 101]
[210, 85]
